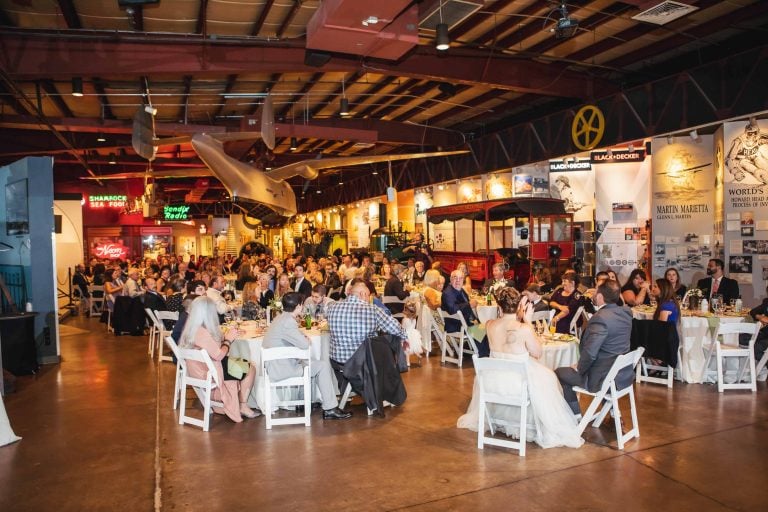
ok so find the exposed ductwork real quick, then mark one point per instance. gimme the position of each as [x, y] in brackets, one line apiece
[372, 28]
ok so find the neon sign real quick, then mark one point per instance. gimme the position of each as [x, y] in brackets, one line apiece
[110, 251]
[107, 201]
[176, 212]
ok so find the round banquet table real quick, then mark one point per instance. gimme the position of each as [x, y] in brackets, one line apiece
[558, 353]
[695, 332]
[250, 350]
[485, 312]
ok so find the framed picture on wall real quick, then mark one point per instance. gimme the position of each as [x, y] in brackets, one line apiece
[16, 208]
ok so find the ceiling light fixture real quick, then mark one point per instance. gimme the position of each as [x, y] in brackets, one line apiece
[100, 137]
[670, 139]
[442, 39]
[566, 26]
[694, 136]
[77, 86]
[112, 159]
[344, 104]
[294, 143]
[370, 20]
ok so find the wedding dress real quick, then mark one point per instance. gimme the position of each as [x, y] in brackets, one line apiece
[550, 420]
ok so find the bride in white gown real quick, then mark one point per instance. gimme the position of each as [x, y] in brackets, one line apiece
[550, 421]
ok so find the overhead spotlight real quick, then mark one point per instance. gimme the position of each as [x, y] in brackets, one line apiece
[149, 109]
[77, 86]
[112, 159]
[100, 137]
[375, 172]
[294, 143]
[695, 136]
[631, 148]
[318, 192]
[670, 139]
[442, 40]
[344, 107]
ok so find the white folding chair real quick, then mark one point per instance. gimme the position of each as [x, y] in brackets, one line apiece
[95, 304]
[457, 340]
[336, 290]
[543, 318]
[761, 366]
[586, 317]
[304, 381]
[177, 390]
[202, 387]
[721, 350]
[391, 299]
[153, 332]
[574, 328]
[519, 399]
[609, 395]
[162, 331]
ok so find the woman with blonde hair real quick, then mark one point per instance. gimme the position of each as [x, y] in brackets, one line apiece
[202, 331]
[432, 289]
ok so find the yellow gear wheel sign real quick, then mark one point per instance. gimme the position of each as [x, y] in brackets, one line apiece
[588, 127]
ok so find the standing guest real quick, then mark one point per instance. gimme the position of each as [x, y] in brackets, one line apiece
[673, 276]
[717, 283]
[497, 282]
[667, 309]
[636, 291]
[113, 287]
[202, 331]
[565, 301]
[317, 303]
[284, 332]
[132, 287]
[353, 320]
[455, 299]
[605, 338]
[283, 286]
[300, 283]
[394, 288]
[153, 300]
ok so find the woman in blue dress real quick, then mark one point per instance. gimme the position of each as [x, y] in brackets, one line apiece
[667, 308]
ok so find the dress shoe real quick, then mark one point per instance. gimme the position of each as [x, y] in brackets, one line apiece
[336, 414]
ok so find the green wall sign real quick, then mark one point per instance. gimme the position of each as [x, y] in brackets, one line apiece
[176, 212]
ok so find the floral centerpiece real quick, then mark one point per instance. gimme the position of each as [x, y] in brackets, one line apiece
[693, 296]
[276, 305]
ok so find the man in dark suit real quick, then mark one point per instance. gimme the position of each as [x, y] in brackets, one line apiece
[455, 299]
[605, 338]
[717, 283]
[493, 284]
[300, 284]
[536, 303]
[394, 288]
[151, 298]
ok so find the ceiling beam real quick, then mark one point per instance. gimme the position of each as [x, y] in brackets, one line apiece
[35, 57]
[231, 80]
[259, 23]
[201, 27]
[299, 95]
[5, 20]
[480, 17]
[288, 19]
[320, 105]
[106, 110]
[70, 14]
[53, 94]
[8, 97]
[137, 17]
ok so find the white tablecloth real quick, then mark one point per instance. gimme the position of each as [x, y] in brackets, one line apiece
[250, 350]
[556, 354]
[6, 432]
[695, 333]
[485, 313]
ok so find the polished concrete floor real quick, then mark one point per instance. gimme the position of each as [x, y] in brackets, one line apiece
[99, 433]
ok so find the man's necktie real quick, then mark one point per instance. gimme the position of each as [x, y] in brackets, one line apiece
[715, 285]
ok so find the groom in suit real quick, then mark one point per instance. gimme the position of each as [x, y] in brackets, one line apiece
[717, 283]
[605, 338]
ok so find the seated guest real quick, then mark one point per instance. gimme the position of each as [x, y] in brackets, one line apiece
[264, 294]
[667, 309]
[283, 286]
[717, 283]
[164, 280]
[605, 337]
[251, 305]
[455, 299]
[113, 287]
[417, 276]
[202, 331]
[673, 276]
[565, 301]
[394, 288]
[214, 292]
[759, 314]
[301, 284]
[438, 265]
[177, 286]
[587, 298]
[317, 303]
[80, 281]
[636, 291]
[153, 300]
[353, 320]
[467, 283]
[132, 286]
[194, 289]
[314, 274]
[497, 282]
[284, 332]
[534, 302]
[432, 289]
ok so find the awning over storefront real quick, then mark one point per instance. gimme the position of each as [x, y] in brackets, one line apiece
[497, 210]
